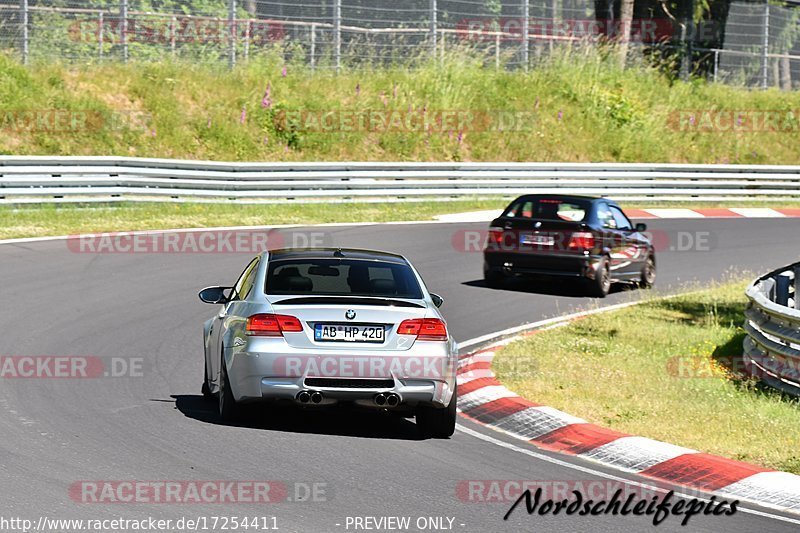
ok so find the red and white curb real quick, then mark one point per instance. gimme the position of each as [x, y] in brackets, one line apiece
[665, 213]
[482, 398]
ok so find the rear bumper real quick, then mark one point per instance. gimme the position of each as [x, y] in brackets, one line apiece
[412, 392]
[567, 265]
[266, 369]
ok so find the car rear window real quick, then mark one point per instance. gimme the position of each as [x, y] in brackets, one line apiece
[342, 277]
[548, 209]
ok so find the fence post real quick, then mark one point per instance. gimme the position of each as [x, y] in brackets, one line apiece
[313, 45]
[247, 29]
[497, 51]
[123, 28]
[100, 34]
[526, 15]
[434, 24]
[173, 23]
[337, 33]
[690, 40]
[716, 64]
[23, 22]
[765, 47]
[232, 33]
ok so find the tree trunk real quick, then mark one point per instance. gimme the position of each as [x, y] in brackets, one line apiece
[786, 74]
[625, 21]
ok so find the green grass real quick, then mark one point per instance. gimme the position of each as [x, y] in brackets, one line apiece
[580, 107]
[40, 221]
[619, 370]
[50, 219]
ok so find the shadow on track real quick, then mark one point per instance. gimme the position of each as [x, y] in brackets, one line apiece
[290, 419]
[549, 287]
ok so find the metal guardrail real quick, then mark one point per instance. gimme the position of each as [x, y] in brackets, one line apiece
[32, 179]
[772, 323]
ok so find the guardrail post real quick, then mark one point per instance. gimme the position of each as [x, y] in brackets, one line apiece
[123, 29]
[797, 287]
[337, 33]
[433, 26]
[24, 37]
[765, 47]
[782, 289]
[231, 33]
[767, 288]
[526, 15]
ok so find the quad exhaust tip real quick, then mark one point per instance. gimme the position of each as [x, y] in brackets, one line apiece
[316, 397]
[303, 396]
[387, 399]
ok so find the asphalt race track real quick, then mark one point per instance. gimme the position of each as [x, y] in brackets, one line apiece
[56, 432]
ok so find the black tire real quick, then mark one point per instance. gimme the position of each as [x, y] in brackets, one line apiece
[205, 389]
[438, 423]
[228, 408]
[648, 273]
[601, 284]
[493, 279]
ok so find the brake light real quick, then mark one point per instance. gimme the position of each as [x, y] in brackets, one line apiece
[270, 325]
[496, 235]
[425, 329]
[581, 240]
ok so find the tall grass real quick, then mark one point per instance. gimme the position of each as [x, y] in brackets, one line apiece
[578, 105]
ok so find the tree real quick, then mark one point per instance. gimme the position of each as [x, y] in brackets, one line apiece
[625, 22]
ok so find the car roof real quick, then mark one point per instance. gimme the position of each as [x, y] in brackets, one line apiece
[566, 197]
[337, 253]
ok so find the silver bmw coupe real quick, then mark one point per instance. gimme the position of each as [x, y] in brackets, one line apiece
[327, 326]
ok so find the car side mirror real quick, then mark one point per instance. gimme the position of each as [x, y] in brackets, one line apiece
[640, 227]
[437, 300]
[214, 295]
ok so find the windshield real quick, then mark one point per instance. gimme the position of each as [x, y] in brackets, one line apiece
[548, 209]
[342, 277]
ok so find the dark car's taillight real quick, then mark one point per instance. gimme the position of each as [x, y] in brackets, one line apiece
[495, 235]
[581, 240]
[269, 325]
[426, 329]
[500, 239]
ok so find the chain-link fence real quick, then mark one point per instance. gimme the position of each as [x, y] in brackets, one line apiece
[743, 42]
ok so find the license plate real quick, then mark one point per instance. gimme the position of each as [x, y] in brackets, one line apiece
[348, 333]
[540, 240]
